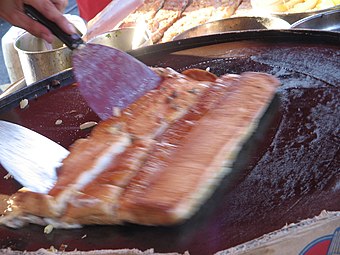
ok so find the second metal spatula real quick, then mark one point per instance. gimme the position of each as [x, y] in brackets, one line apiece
[107, 77]
[29, 157]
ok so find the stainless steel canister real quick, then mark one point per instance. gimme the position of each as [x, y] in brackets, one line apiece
[40, 59]
[125, 39]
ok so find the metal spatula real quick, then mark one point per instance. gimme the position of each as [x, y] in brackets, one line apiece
[107, 77]
[32, 159]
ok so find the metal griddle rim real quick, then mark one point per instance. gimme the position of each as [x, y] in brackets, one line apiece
[66, 77]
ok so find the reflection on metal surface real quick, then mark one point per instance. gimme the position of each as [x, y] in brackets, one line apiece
[29, 157]
[294, 17]
[14, 87]
[329, 21]
[125, 39]
[234, 24]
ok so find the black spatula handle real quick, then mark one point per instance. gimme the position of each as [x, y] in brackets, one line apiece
[71, 41]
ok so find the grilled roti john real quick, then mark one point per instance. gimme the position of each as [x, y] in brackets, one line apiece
[156, 162]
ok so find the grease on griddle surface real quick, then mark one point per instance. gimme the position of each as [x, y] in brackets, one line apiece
[293, 174]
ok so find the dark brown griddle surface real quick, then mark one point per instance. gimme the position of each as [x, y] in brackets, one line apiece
[289, 172]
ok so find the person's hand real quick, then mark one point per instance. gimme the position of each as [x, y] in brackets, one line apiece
[60, 4]
[13, 12]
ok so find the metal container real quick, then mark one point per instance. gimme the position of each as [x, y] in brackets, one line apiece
[125, 39]
[40, 59]
[329, 21]
[234, 24]
[294, 17]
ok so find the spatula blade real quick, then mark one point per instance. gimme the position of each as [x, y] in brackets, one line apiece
[32, 159]
[110, 78]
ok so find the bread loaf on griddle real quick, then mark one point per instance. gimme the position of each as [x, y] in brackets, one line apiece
[160, 159]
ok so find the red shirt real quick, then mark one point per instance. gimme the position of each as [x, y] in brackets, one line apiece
[88, 9]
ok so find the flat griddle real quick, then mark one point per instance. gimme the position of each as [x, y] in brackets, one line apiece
[286, 173]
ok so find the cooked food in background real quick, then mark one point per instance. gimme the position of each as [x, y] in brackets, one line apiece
[198, 13]
[165, 19]
[293, 6]
[158, 161]
[144, 13]
[168, 18]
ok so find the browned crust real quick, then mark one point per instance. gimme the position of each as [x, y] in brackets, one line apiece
[200, 12]
[23, 202]
[200, 75]
[145, 13]
[178, 178]
[180, 135]
[163, 106]
[166, 17]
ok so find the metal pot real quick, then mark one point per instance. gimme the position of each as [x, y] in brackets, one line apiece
[40, 59]
[125, 39]
[234, 24]
[329, 21]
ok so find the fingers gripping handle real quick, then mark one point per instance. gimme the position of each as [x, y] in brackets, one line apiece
[72, 41]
